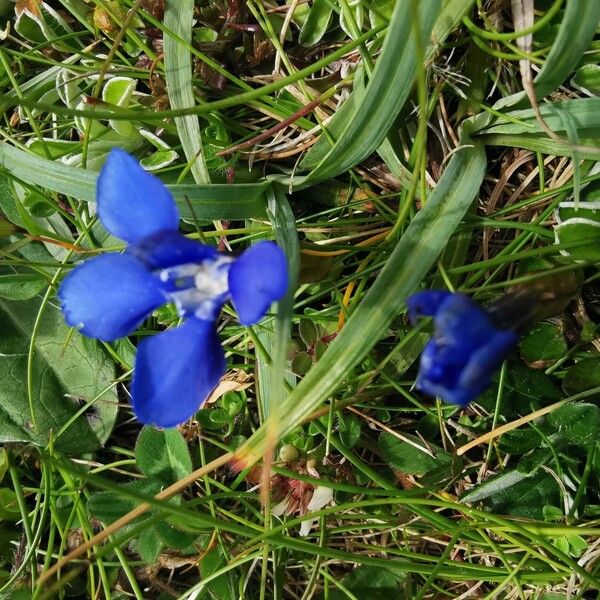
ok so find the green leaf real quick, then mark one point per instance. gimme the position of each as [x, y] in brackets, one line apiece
[525, 498]
[518, 441]
[524, 389]
[308, 331]
[21, 286]
[163, 454]
[107, 507]
[408, 458]
[148, 545]
[579, 229]
[577, 545]
[9, 505]
[179, 17]
[587, 79]
[233, 403]
[423, 241]
[578, 422]
[543, 345]
[350, 429]
[372, 583]
[174, 537]
[582, 376]
[365, 127]
[223, 587]
[64, 378]
[301, 363]
[41, 24]
[552, 513]
[215, 201]
[3, 463]
[316, 24]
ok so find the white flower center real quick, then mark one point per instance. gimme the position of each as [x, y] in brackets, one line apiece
[198, 289]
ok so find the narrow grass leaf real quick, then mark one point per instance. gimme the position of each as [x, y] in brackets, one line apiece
[384, 95]
[178, 73]
[520, 128]
[574, 36]
[213, 201]
[275, 335]
[410, 260]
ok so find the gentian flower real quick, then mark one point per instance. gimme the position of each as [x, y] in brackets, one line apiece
[469, 344]
[109, 296]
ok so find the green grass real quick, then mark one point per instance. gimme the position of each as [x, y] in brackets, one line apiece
[387, 146]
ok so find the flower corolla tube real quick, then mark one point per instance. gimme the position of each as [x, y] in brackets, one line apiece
[468, 345]
[109, 296]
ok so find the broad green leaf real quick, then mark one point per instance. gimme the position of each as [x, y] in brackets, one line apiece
[584, 375]
[372, 583]
[159, 160]
[350, 429]
[316, 24]
[223, 587]
[301, 363]
[215, 201]
[587, 79]
[41, 24]
[524, 390]
[519, 441]
[3, 463]
[308, 331]
[174, 537]
[65, 376]
[525, 498]
[118, 91]
[408, 458]
[163, 454]
[543, 345]
[178, 73]
[422, 241]
[110, 506]
[22, 285]
[579, 423]
[148, 545]
[580, 229]
[9, 506]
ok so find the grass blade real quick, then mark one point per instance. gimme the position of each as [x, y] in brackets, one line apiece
[178, 73]
[423, 241]
[575, 34]
[214, 201]
[383, 97]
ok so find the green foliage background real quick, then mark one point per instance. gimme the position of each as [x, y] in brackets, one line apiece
[387, 146]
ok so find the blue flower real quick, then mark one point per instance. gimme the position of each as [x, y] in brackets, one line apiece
[109, 296]
[467, 346]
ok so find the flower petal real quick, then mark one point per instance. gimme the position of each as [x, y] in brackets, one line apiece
[425, 303]
[168, 248]
[464, 323]
[132, 204]
[477, 375]
[175, 372]
[256, 279]
[107, 297]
